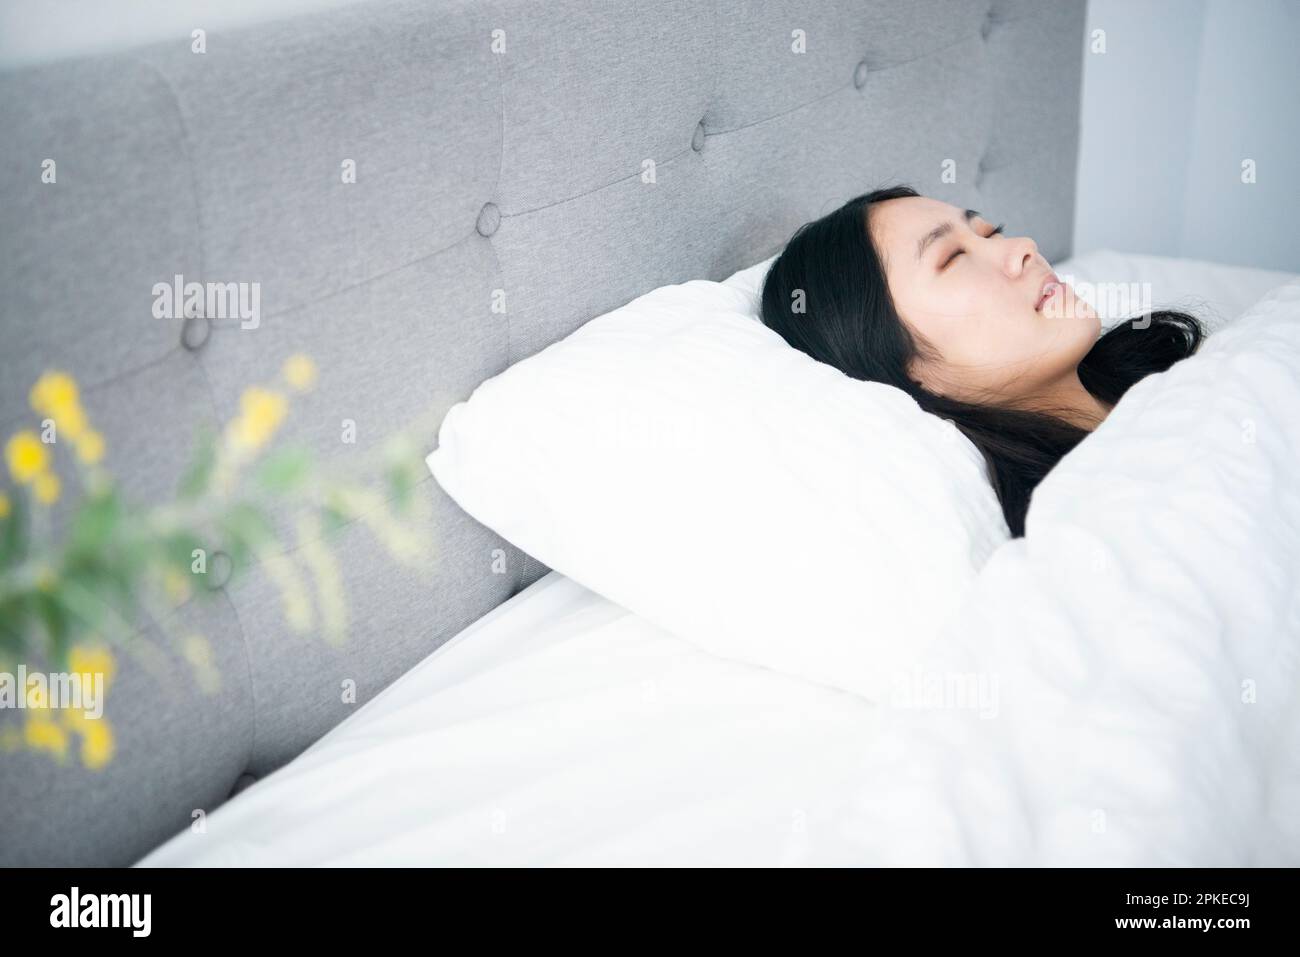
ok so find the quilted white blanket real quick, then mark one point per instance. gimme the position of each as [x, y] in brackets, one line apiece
[1143, 640]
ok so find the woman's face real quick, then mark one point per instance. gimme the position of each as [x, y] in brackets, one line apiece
[977, 297]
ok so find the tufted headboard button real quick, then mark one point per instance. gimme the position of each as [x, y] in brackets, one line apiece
[220, 567]
[195, 331]
[489, 218]
[860, 75]
[697, 138]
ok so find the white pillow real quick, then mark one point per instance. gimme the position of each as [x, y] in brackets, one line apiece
[679, 458]
[750, 282]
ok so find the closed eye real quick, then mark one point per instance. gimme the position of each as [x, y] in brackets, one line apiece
[996, 231]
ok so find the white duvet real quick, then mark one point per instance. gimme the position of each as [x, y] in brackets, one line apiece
[1144, 635]
[1123, 688]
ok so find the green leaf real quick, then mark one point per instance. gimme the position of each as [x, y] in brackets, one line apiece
[99, 594]
[86, 587]
[248, 522]
[14, 617]
[13, 532]
[284, 470]
[332, 519]
[243, 529]
[177, 550]
[96, 520]
[54, 616]
[400, 484]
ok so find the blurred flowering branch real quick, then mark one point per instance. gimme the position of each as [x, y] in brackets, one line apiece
[67, 597]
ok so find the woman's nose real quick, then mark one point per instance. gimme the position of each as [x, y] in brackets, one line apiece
[1020, 252]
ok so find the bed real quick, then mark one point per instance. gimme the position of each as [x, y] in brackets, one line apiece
[563, 161]
[562, 730]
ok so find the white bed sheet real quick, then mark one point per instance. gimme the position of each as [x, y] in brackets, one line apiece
[559, 729]
[562, 730]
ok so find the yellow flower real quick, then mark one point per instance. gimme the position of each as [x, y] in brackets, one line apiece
[42, 734]
[92, 660]
[96, 743]
[71, 422]
[38, 698]
[5, 507]
[55, 395]
[260, 413]
[27, 456]
[47, 488]
[54, 392]
[90, 447]
[300, 372]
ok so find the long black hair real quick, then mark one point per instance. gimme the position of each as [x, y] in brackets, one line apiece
[849, 321]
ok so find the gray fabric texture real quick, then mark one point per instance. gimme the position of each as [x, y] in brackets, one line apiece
[477, 171]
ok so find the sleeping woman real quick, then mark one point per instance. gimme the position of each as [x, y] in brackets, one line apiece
[897, 288]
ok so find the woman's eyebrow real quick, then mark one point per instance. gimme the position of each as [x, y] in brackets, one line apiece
[943, 229]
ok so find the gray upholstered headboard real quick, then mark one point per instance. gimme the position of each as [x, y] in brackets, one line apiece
[518, 168]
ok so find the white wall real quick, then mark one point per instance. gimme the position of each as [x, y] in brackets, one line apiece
[1185, 91]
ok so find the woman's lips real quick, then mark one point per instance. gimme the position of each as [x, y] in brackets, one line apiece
[1052, 286]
